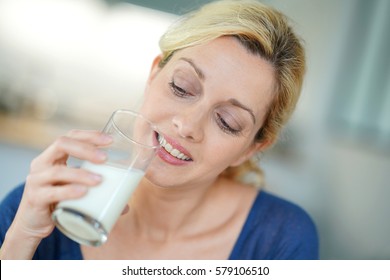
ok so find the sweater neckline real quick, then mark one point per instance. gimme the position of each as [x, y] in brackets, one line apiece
[240, 239]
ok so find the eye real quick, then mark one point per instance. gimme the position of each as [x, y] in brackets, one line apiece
[178, 91]
[225, 126]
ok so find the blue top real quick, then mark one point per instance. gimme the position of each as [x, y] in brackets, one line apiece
[274, 229]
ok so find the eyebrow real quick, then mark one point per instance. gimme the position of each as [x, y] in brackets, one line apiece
[237, 103]
[196, 68]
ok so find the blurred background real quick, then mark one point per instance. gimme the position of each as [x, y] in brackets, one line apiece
[69, 63]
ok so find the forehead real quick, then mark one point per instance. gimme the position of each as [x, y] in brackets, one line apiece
[231, 71]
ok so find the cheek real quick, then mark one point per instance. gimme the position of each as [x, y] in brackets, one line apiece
[155, 105]
[223, 151]
[156, 110]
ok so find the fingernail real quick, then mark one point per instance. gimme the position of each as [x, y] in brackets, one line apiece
[80, 189]
[95, 177]
[106, 138]
[101, 155]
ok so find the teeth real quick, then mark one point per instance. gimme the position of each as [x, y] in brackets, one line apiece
[168, 147]
[175, 152]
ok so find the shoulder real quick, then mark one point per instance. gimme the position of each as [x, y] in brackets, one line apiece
[278, 229]
[12, 199]
[8, 207]
[279, 211]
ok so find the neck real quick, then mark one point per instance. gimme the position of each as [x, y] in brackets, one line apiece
[164, 213]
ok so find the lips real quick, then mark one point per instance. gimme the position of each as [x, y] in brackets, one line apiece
[172, 152]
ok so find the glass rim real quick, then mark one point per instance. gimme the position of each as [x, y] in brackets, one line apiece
[136, 114]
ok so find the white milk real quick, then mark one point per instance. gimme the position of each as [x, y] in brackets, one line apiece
[103, 203]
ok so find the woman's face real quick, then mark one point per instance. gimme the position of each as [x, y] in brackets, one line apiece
[208, 102]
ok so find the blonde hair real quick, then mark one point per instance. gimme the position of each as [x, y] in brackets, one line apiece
[263, 31]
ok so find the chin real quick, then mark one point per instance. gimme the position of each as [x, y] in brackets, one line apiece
[160, 179]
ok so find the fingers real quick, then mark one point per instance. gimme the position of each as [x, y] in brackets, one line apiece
[50, 180]
[42, 199]
[79, 144]
[61, 175]
[58, 183]
[95, 137]
[34, 214]
[53, 195]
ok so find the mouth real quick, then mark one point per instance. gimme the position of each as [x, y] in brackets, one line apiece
[172, 151]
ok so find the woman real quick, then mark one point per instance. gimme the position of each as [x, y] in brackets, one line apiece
[227, 80]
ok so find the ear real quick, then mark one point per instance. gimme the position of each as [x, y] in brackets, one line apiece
[154, 69]
[254, 148]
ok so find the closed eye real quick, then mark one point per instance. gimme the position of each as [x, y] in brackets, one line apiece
[178, 91]
[225, 126]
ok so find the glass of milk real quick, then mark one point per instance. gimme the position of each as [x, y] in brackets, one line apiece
[89, 219]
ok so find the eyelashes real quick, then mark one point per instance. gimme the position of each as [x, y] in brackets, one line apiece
[221, 122]
[178, 91]
[225, 126]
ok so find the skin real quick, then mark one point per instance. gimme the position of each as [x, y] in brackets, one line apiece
[181, 209]
[193, 117]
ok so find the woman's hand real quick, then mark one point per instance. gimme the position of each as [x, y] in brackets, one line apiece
[50, 181]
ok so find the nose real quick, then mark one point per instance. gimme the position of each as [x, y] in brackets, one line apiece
[189, 125]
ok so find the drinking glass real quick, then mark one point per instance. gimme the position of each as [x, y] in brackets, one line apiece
[89, 219]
